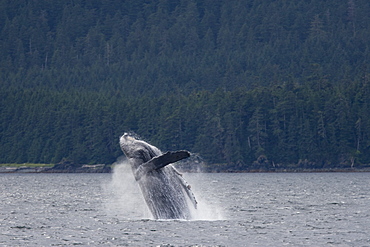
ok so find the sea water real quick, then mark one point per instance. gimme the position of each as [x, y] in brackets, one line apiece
[258, 209]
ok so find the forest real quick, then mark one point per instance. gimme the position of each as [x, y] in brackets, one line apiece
[242, 84]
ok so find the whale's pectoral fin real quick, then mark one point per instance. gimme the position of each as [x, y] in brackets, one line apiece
[168, 158]
[160, 161]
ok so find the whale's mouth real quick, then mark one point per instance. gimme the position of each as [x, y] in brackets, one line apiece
[130, 136]
[126, 138]
[125, 142]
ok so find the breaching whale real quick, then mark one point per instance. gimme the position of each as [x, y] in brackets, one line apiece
[165, 191]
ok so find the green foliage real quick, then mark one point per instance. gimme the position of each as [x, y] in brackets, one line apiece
[283, 124]
[250, 84]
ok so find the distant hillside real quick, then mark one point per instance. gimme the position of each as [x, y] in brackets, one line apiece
[245, 84]
[143, 47]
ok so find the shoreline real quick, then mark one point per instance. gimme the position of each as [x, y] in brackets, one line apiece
[101, 168]
[98, 168]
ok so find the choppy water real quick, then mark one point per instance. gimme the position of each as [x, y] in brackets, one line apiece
[311, 209]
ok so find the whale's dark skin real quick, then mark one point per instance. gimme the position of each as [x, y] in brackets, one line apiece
[164, 189]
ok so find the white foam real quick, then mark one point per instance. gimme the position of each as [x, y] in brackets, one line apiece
[126, 200]
[208, 207]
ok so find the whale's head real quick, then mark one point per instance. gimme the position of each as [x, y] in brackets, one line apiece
[137, 149]
[127, 143]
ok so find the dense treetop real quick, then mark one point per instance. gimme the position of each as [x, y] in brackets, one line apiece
[245, 83]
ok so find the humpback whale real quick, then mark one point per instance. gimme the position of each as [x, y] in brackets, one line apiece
[166, 193]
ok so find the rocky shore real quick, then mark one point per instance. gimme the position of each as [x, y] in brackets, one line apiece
[62, 167]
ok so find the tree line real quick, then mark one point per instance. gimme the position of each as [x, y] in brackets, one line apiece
[315, 125]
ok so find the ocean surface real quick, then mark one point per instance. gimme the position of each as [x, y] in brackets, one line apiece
[259, 209]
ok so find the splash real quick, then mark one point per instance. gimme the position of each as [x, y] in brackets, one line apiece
[209, 209]
[127, 202]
